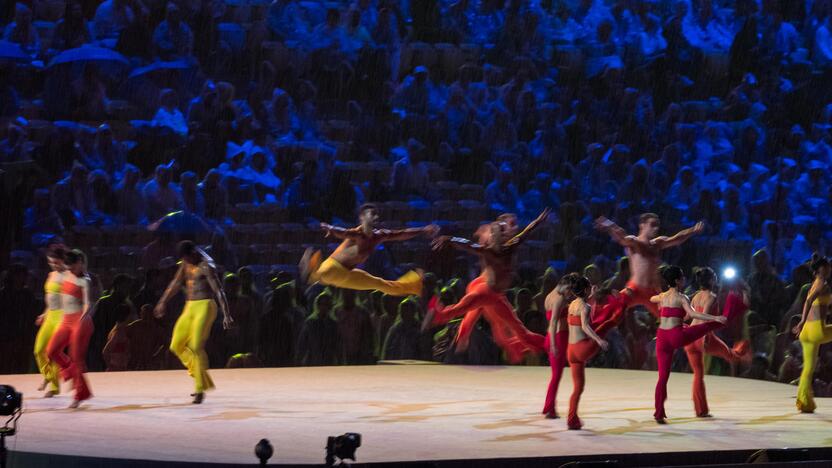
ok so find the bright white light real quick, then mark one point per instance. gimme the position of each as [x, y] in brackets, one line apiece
[729, 273]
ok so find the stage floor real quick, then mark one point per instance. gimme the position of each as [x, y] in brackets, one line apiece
[404, 413]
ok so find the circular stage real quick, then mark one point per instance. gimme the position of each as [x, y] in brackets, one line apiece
[404, 413]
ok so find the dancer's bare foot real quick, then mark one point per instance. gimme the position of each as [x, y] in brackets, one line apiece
[661, 421]
[50, 394]
[304, 266]
[43, 386]
[706, 415]
[75, 404]
[552, 415]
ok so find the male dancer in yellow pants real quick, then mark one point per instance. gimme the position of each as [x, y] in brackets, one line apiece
[198, 275]
[358, 243]
[49, 321]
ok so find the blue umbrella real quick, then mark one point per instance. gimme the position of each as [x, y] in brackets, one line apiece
[181, 64]
[12, 51]
[180, 222]
[88, 53]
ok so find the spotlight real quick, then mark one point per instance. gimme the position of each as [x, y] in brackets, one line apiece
[729, 273]
[342, 447]
[264, 451]
[10, 400]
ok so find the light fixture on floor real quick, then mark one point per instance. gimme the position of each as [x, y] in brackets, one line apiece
[264, 451]
[342, 447]
[10, 404]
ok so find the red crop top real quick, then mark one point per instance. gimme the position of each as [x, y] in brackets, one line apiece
[574, 320]
[676, 312]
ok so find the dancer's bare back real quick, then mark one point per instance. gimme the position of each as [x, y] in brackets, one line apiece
[358, 244]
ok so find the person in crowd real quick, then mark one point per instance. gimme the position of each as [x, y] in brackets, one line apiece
[405, 340]
[355, 330]
[111, 18]
[72, 30]
[169, 116]
[278, 329]
[22, 31]
[160, 195]
[116, 353]
[107, 310]
[145, 341]
[173, 37]
[318, 341]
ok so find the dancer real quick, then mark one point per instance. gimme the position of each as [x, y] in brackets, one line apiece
[672, 334]
[557, 337]
[358, 243]
[76, 326]
[644, 253]
[586, 339]
[198, 275]
[813, 331]
[50, 320]
[704, 302]
[470, 319]
[497, 258]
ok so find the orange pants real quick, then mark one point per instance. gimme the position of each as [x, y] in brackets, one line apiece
[708, 344]
[74, 333]
[508, 331]
[578, 354]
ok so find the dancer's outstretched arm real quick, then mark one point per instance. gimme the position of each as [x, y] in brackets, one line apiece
[339, 232]
[706, 317]
[459, 243]
[522, 235]
[664, 242]
[616, 232]
[406, 234]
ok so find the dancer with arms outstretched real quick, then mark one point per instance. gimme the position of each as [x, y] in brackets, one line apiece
[498, 258]
[644, 252]
[358, 243]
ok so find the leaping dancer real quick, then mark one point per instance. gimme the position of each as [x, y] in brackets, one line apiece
[198, 276]
[497, 258]
[644, 252]
[340, 269]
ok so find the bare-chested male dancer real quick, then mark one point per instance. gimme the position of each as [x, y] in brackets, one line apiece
[203, 293]
[358, 243]
[644, 252]
[497, 258]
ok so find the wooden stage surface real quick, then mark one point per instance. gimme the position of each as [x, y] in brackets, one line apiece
[404, 413]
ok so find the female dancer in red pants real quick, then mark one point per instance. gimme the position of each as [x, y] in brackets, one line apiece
[557, 337]
[672, 334]
[586, 339]
[704, 302]
[76, 328]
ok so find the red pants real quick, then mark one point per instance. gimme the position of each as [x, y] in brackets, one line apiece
[75, 334]
[640, 295]
[508, 331]
[708, 344]
[578, 354]
[668, 341]
[557, 361]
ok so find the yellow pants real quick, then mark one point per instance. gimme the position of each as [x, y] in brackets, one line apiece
[190, 333]
[814, 334]
[333, 273]
[48, 369]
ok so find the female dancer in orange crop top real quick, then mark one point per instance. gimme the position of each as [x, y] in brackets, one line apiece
[704, 302]
[584, 340]
[75, 330]
[672, 334]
